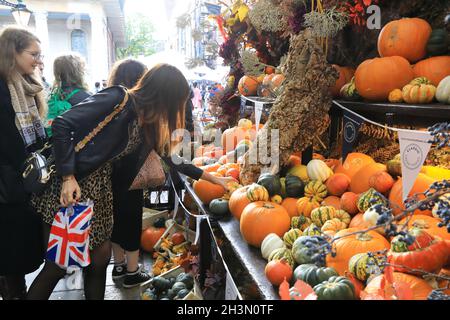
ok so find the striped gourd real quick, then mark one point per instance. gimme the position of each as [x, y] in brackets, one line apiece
[257, 193]
[332, 226]
[312, 230]
[317, 190]
[290, 236]
[305, 205]
[300, 222]
[283, 253]
[318, 170]
[369, 199]
[362, 266]
[343, 216]
[321, 215]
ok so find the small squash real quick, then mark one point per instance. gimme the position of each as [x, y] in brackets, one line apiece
[290, 237]
[300, 222]
[331, 227]
[381, 181]
[338, 184]
[295, 188]
[277, 199]
[443, 91]
[290, 204]
[363, 266]
[318, 170]
[343, 216]
[396, 96]
[349, 202]
[270, 244]
[282, 254]
[317, 190]
[257, 192]
[271, 183]
[423, 92]
[305, 205]
[312, 230]
[369, 199]
[219, 208]
[300, 250]
[313, 275]
[438, 43]
[322, 214]
[278, 271]
[335, 288]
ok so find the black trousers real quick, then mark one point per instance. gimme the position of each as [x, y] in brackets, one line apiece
[127, 210]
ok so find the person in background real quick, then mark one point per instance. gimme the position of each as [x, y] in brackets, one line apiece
[22, 106]
[152, 110]
[97, 87]
[197, 99]
[69, 87]
[127, 205]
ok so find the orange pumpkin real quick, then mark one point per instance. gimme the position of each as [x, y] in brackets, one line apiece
[260, 219]
[268, 79]
[238, 201]
[349, 202]
[305, 205]
[211, 168]
[345, 76]
[421, 184]
[231, 137]
[149, 237]
[360, 181]
[269, 70]
[353, 163]
[290, 204]
[208, 191]
[406, 37]
[332, 201]
[420, 288]
[376, 78]
[337, 184]
[278, 271]
[429, 224]
[381, 181]
[358, 222]
[248, 86]
[277, 81]
[434, 69]
[348, 246]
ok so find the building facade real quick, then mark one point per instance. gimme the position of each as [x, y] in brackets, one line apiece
[196, 36]
[93, 28]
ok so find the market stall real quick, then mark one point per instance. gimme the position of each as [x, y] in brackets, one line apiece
[337, 133]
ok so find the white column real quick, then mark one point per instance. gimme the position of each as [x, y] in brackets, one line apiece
[42, 33]
[99, 48]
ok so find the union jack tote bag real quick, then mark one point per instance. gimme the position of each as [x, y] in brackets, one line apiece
[68, 245]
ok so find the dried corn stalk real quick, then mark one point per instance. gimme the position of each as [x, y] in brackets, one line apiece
[301, 110]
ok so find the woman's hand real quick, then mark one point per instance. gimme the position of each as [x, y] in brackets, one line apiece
[222, 181]
[70, 191]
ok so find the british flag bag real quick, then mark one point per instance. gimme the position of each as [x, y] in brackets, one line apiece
[68, 245]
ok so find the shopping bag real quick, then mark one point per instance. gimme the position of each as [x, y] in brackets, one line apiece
[68, 245]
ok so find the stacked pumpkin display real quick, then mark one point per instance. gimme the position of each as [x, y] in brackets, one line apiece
[327, 197]
[265, 85]
[391, 76]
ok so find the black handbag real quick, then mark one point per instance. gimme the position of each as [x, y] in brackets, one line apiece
[38, 170]
[40, 165]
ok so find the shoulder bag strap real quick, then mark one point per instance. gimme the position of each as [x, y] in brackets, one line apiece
[117, 109]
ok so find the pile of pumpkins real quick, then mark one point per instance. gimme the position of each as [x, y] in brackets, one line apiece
[392, 76]
[223, 161]
[283, 215]
[264, 85]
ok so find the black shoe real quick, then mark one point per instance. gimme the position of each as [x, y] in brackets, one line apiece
[119, 272]
[136, 278]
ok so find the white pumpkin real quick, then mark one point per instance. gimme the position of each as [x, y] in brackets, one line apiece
[371, 217]
[271, 243]
[443, 91]
[245, 123]
[318, 170]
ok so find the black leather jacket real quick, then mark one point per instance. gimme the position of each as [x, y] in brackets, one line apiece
[75, 124]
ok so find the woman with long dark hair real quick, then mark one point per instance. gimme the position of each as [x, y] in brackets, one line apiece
[139, 121]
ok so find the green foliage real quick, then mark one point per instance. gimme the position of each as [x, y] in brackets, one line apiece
[139, 34]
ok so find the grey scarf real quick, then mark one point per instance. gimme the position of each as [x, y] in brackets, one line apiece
[24, 100]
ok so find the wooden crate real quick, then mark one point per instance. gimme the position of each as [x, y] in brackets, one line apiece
[195, 293]
[175, 227]
[149, 216]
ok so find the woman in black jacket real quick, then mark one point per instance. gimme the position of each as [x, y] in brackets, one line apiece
[22, 106]
[152, 110]
[128, 204]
